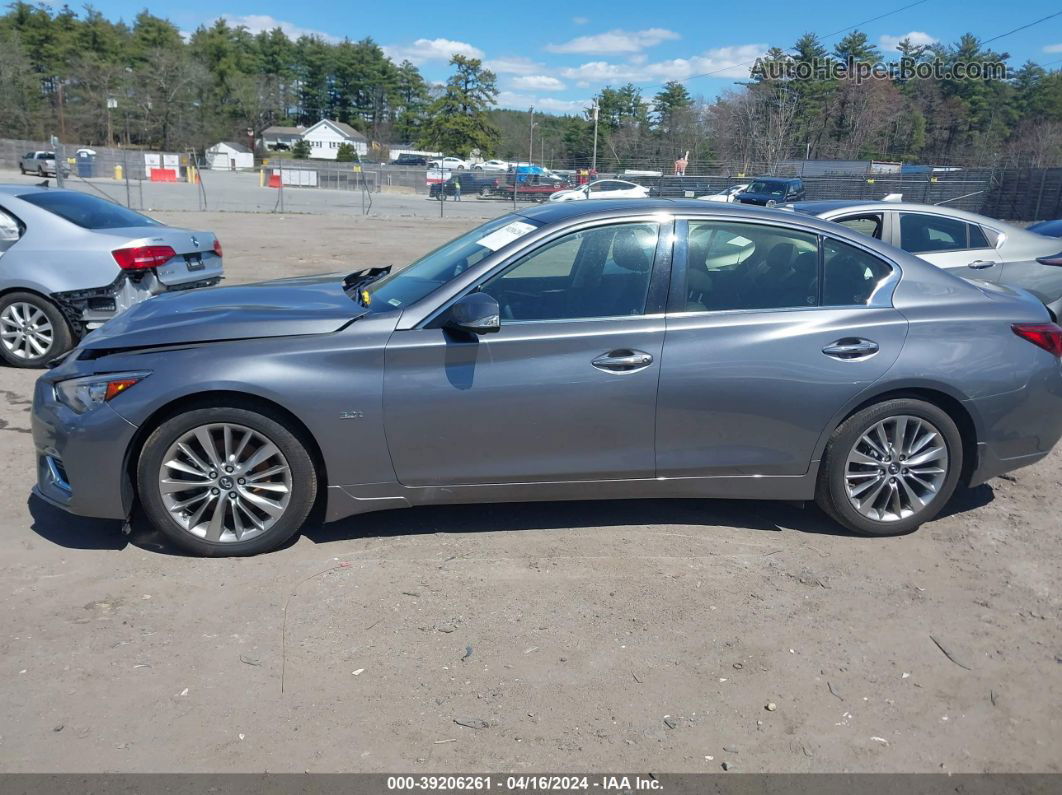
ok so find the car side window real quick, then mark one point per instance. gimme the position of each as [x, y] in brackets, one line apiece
[977, 237]
[850, 276]
[10, 230]
[749, 266]
[920, 234]
[599, 272]
[869, 225]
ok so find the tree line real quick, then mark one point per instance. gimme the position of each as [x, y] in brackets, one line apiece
[91, 80]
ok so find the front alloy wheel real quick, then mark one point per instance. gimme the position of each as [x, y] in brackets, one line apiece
[226, 480]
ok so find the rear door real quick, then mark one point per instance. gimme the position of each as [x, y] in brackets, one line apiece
[757, 358]
[565, 391]
[950, 243]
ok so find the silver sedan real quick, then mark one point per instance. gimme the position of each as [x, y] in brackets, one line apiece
[969, 245]
[71, 261]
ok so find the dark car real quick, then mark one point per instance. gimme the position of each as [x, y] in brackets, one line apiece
[1047, 228]
[769, 191]
[471, 184]
[410, 160]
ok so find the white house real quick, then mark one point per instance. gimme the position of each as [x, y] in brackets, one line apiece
[229, 156]
[284, 137]
[326, 136]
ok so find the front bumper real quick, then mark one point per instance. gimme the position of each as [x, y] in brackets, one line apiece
[81, 458]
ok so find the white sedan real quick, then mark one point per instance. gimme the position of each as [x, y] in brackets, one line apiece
[602, 189]
[727, 195]
[492, 165]
[454, 163]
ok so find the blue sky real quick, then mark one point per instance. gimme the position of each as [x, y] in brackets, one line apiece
[556, 55]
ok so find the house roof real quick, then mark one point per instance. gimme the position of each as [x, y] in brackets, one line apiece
[237, 147]
[276, 130]
[343, 129]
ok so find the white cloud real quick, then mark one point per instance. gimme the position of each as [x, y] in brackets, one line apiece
[615, 41]
[513, 65]
[423, 50]
[917, 37]
[538, 83]
[576, 20]
[256, 23]
[512, 99]
[721, 62]
[1053, 48]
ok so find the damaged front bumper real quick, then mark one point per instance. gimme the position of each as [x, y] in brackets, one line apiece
[88, 309]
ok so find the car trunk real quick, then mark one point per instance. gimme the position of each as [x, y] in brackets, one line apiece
[194, 259]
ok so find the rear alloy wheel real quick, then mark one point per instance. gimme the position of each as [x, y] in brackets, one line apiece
[32, 330]
[226, 481]
[890, 467]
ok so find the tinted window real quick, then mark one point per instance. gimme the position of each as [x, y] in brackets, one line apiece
[86, 211]
[977, 237]
[600, 272]
[850, 275]
[749, 266]
[869, 225]
[925, 233]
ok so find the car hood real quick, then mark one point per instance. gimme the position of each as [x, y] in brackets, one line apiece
[281, 308]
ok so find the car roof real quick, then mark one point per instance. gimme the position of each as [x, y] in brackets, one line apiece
[18, 190]
[825, 206]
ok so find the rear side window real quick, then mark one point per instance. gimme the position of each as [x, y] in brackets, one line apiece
[869, 225]
[921, 234]
[10, 230]
[88, 212]
[850, 276]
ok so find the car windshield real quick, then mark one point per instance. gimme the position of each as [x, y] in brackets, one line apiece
[770, 188]
[88, 212]
[402, 288]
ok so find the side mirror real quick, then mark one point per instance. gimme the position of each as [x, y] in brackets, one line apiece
[475, 313]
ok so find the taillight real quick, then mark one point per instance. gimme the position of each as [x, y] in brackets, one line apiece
[1054, 259]
[1044, 335]
[217, 246]
[142, 257]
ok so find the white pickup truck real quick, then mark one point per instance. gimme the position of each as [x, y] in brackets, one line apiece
[39, 163]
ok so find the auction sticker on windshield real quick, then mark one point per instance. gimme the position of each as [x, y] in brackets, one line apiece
[506, 235]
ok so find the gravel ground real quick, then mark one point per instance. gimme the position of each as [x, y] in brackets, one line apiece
[645, 635]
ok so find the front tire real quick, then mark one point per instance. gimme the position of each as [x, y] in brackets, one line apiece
[890, 467]
[226, 481]
[32, 330]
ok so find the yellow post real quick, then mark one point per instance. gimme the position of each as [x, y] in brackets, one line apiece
[261, 178]
[118, 173]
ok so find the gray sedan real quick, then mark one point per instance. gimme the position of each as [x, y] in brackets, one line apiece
[582, 350]
[967, 244]
[70, 261]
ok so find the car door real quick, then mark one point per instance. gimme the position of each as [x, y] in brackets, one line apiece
[950, 243]
[766, 344]
[565, 391]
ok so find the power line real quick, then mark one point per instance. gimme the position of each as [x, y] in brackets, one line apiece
[1023, 27]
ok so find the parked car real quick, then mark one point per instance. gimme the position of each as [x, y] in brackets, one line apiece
[530, 183]
[493, 165]
[70, 261]
[406, 159]
[727, 195]
[450, 163]
[528, 360]
[771, 191]
[471, 185]
[967, 244]
[603, 189]
[40, 163]
[1048, 228]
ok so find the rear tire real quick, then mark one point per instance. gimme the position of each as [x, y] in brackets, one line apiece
[249, 492]
[28, 323]
[867, 482]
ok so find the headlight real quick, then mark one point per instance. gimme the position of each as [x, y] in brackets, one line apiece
[85, 394]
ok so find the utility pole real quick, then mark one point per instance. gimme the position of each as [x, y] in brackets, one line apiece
[531, 140]
[593, 163]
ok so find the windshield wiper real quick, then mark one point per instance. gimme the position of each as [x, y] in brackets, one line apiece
[355, 283]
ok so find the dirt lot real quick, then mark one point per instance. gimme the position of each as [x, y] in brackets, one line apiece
[628, 635]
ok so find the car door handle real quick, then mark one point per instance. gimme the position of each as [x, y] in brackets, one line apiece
[851, 349]
[980, 264]
[623, 361]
